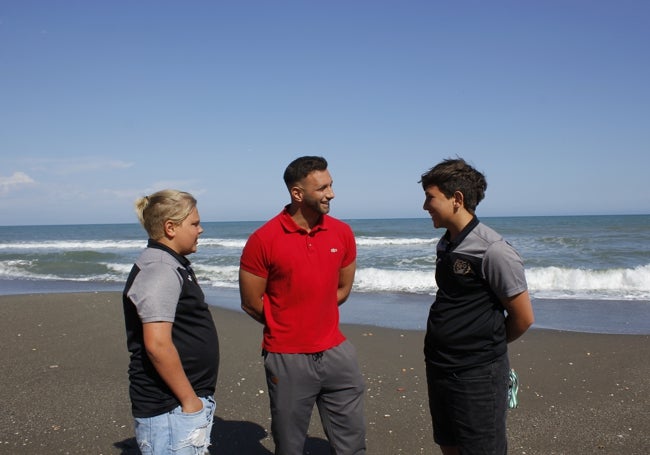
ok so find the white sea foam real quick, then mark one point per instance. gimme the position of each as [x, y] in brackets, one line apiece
[226, 243]
[207, 242]
[21, 270]
[14, 268]
[623, 284]
[543, 282]
[120, 269]
[547, 282]
[64, 245]
[74, 245]
[384, 241]
[218, 276]
[381, 280]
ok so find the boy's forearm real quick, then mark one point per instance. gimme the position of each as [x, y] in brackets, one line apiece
[516, 328]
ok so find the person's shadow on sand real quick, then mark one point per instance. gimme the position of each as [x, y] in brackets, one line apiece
[128, 447]
[237, 437]
[230, 437]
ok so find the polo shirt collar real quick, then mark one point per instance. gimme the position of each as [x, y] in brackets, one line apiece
[179, 257]
[290, 225]
[461, 236]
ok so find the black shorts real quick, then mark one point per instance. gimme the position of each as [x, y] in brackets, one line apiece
[468, 407]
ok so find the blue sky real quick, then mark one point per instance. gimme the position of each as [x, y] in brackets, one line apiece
[102, 102]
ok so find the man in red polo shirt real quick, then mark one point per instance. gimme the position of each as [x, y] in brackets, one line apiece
[295, 271]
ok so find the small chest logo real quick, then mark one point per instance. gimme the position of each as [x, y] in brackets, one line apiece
[462, 267]
[333, 250]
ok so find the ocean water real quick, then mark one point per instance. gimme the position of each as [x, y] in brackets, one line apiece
[586, 273]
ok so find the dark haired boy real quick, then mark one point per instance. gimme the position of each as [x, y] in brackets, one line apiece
[482, 303]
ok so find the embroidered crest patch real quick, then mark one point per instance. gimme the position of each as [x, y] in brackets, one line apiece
[462, 267]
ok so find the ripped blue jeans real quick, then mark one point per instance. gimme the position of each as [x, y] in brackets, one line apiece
[175, 432]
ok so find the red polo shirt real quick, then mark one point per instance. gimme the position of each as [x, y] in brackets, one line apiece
[302, 272]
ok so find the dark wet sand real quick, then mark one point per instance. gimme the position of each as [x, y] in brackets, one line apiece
[64, 386]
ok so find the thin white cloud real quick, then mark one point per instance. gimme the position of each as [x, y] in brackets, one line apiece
[95, 165]
[17, 179]
[132, 193]
[66, 166]
[181, 185]
[92, 165]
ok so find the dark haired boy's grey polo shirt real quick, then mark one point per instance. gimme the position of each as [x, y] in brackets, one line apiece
[466, 325]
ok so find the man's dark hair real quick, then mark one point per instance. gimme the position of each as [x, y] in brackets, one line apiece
[453, 175]
[301, 167]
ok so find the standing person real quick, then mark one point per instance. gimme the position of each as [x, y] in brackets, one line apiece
[170, 332]
[482, 304]
[295, 271]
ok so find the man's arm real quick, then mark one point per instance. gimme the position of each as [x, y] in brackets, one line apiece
[346, 278]
[520, 315]
[251, 292]
[164, 356]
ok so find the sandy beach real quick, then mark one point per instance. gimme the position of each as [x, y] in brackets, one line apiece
[64, 385]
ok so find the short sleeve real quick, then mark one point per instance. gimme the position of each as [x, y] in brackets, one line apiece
[350, 247]
[155, 292]
[252, 258]
[504, 270]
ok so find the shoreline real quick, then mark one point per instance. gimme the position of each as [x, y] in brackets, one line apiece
[403, 311]
[65, 385]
